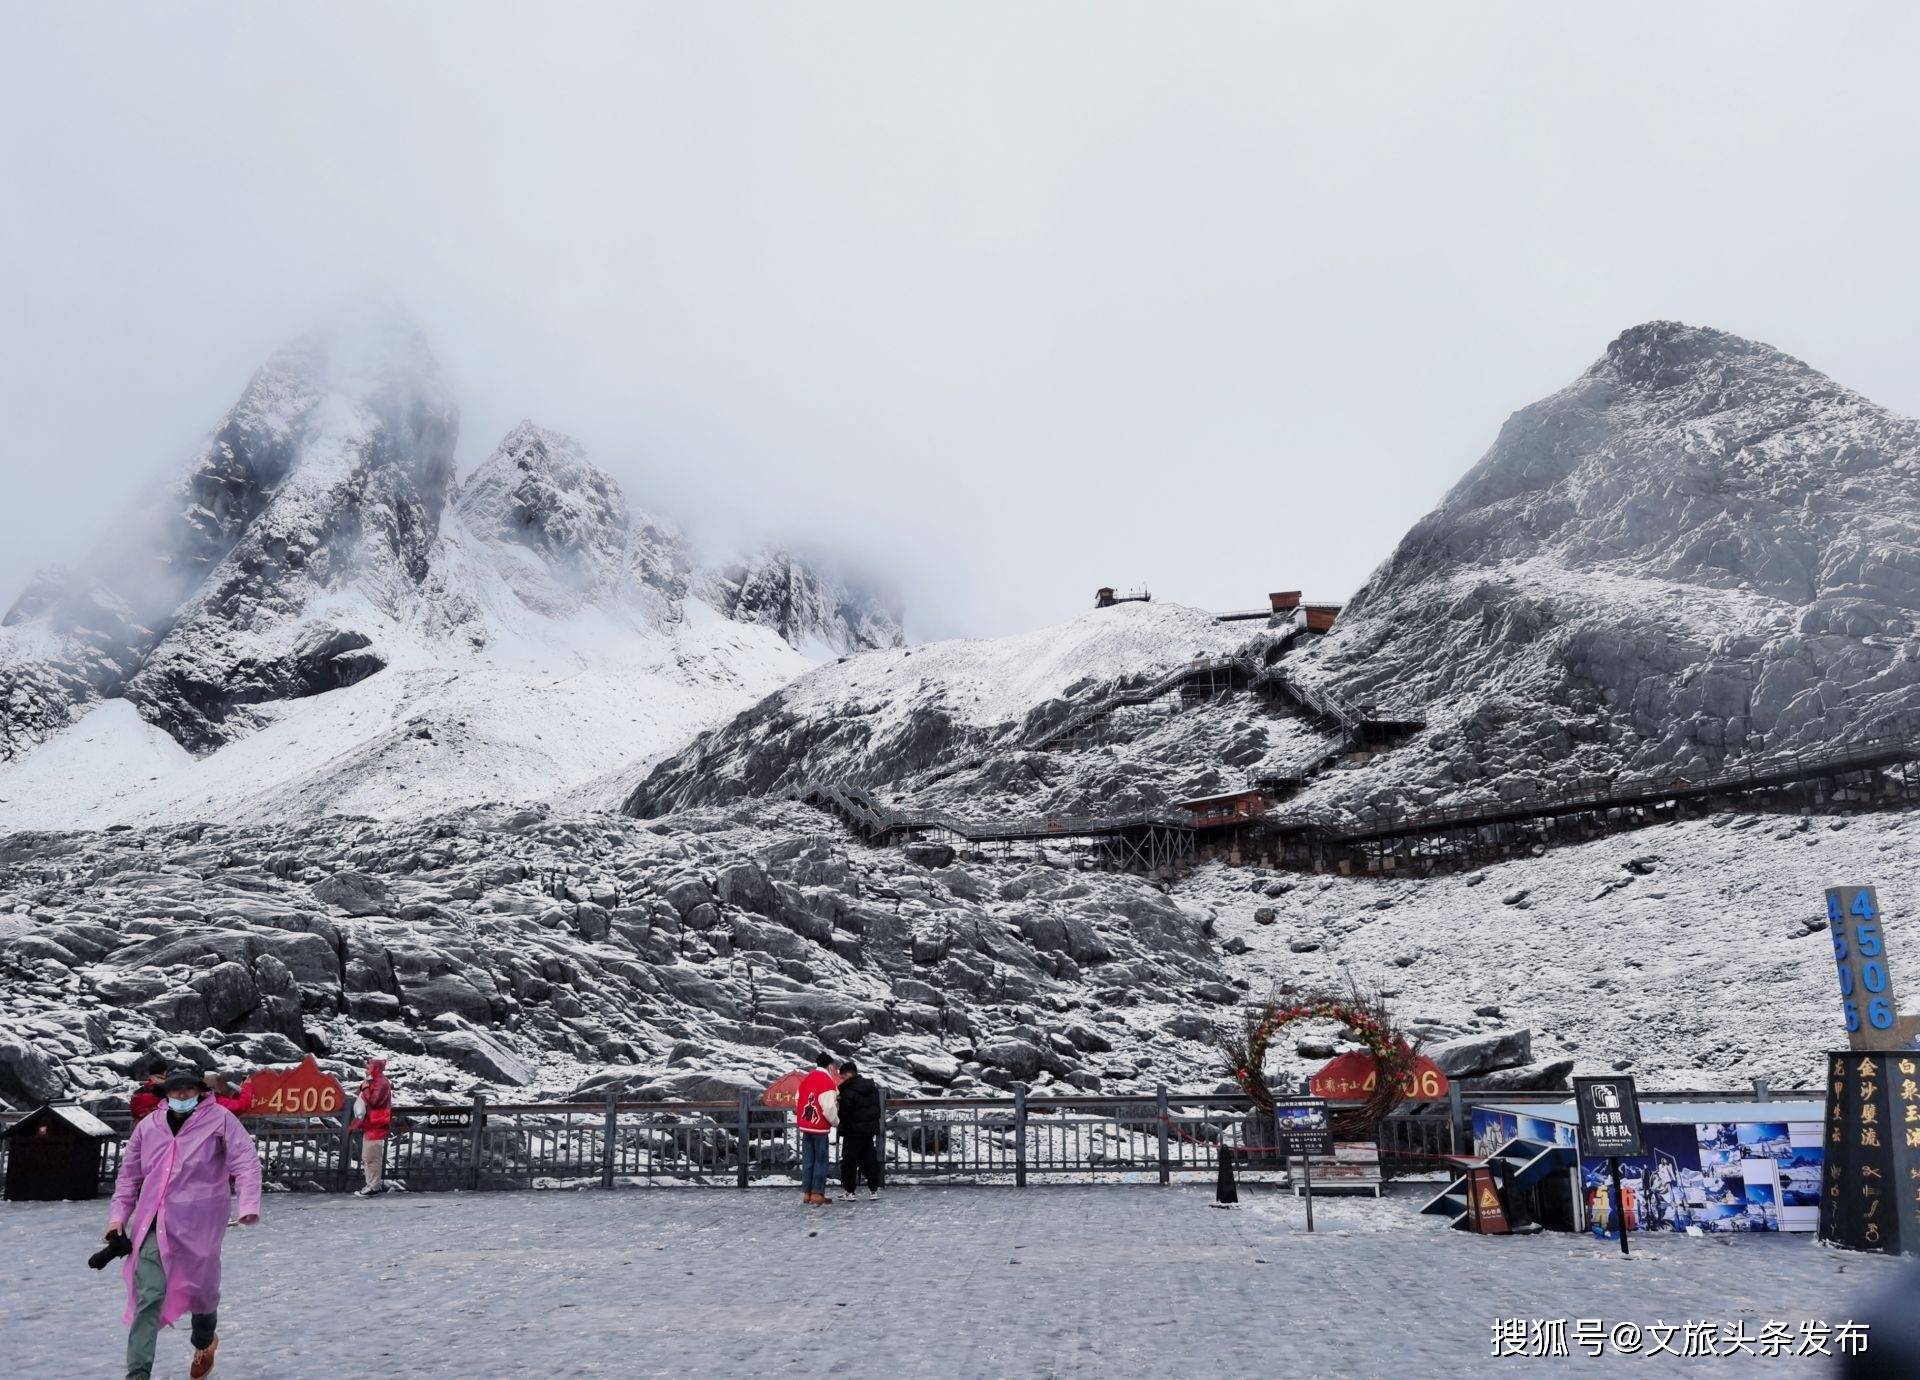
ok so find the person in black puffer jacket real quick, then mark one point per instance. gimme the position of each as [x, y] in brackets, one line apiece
[859, 1131]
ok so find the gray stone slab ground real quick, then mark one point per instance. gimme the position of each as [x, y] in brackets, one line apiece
[1124, 1280]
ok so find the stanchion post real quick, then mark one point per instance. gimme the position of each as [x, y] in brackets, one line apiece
[608, 1135]
[744, 1115]
[1160, 1104]
[1619, 1202]
[1456, 1117]
[1306, 1165]
[346, 1148]
[476, 1140]
[1019, 1137]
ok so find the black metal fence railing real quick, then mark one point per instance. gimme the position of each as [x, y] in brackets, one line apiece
[1007, 1140]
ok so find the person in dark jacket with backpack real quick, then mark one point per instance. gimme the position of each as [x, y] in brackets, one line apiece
[859, 1131]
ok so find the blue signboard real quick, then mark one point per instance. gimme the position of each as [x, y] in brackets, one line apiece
[1867, 1004]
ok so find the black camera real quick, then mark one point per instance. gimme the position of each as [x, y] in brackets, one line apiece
[118, 1244]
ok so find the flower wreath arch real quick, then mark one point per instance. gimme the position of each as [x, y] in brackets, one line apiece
[1364, 1017]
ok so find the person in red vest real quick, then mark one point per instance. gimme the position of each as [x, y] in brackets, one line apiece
[816, 1110]
[149, 1094]
[375, 1119]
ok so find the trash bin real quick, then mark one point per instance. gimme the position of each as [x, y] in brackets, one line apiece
[55, 1154]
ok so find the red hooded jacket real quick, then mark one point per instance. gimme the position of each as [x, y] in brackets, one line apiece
[377, 1093]
[145, 1098]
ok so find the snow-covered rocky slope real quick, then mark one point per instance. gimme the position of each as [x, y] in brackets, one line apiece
[1561, 613]
[314, 616]
[889, 717]
[529, 952]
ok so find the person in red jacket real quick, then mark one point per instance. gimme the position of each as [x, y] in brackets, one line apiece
[375, 1119]
[816, 1110]
[239, 1100]
[150, 1093]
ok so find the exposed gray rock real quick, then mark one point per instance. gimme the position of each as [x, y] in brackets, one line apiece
[356, 893]
[228, 993]
[1018, 1057]
[481, 1055]
[1544, 1077]
[933, 1066]
[28, 1076]
[1473, 1055]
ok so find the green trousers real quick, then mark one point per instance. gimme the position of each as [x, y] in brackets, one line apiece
[149, 1292]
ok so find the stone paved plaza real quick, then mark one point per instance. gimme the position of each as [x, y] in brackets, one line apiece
[1120, 1280]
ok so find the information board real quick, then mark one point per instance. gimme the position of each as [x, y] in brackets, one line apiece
[1609, 1116]
[1302, 1126]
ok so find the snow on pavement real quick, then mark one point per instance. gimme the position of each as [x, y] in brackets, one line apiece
[956, 1281]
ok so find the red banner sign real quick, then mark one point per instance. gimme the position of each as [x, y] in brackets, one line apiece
[1353, 1077]
[784, 1092]
[299, 1091]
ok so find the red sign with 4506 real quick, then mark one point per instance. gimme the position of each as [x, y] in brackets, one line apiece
[1353, 1077]
[299, 1091]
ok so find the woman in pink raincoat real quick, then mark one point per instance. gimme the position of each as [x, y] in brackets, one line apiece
[171, 1200]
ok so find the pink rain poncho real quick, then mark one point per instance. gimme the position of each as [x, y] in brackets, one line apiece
[182, 1180]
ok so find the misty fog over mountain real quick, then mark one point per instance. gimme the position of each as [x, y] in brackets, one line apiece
[1218, 307]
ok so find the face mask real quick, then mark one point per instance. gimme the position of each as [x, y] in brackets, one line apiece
[182, 1105]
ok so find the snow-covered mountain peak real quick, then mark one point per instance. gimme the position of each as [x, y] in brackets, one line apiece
[558, 528]
[537, 488]
[311, 598]
[809, 607]
[1671, 354]
[1700, 547]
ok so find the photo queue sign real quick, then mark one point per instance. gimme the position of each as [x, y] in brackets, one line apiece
[1303, 1128]
[1609, 1129]
[1870, 1193]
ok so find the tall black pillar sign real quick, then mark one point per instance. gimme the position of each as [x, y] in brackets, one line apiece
[1870, 1189]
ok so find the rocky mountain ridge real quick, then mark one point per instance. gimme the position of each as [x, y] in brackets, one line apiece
[1701, 548]
[320, 540]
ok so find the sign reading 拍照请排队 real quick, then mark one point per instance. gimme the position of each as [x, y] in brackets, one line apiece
[1609, 1116]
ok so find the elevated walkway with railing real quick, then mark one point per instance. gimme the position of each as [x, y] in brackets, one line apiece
[1766, 771]
[1142, 835]
[1168, 835]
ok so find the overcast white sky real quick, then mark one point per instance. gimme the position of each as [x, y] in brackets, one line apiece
[1008, 300]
